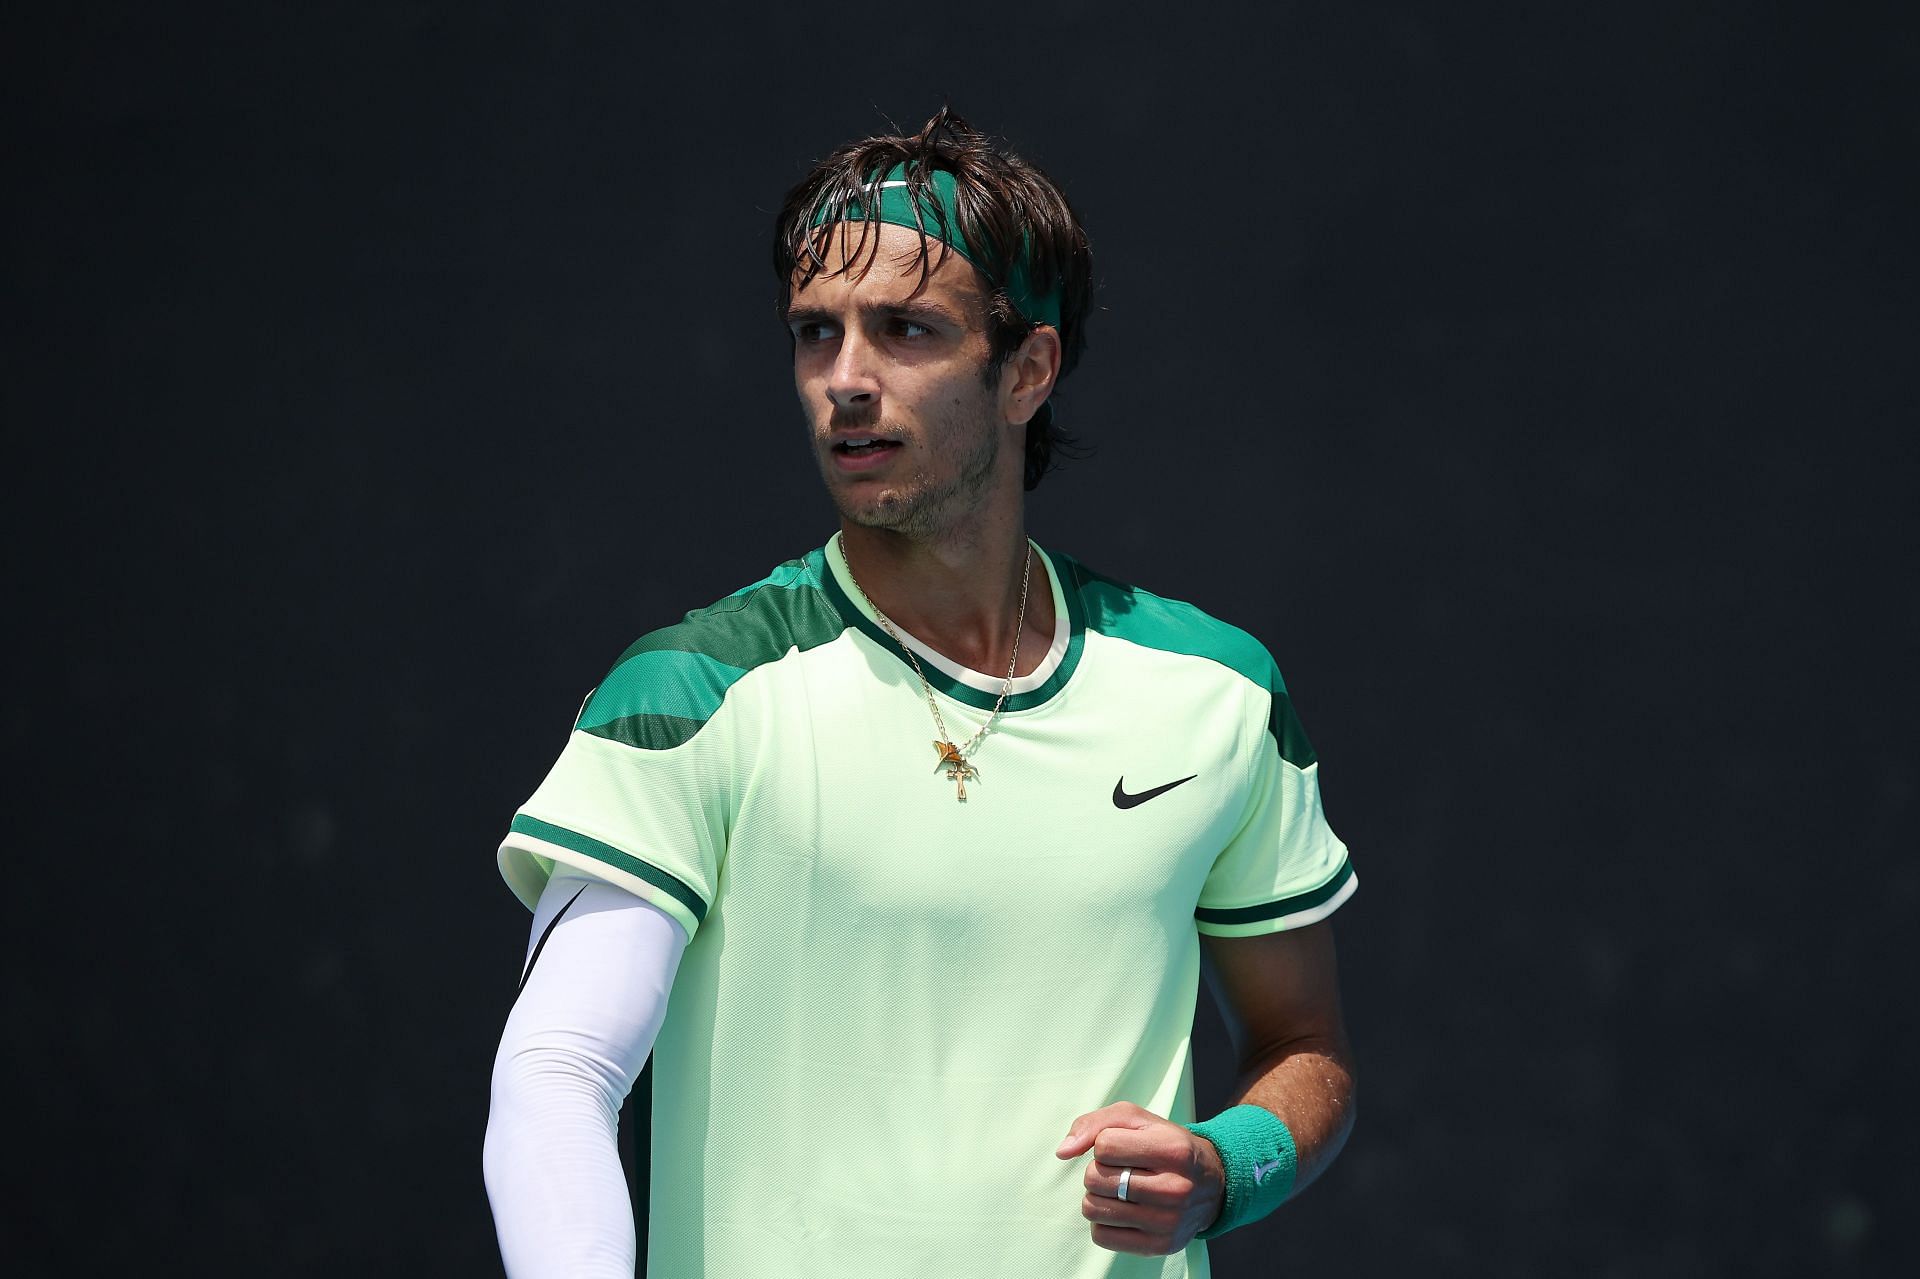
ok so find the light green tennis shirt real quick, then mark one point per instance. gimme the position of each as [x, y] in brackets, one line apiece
[893, 1003]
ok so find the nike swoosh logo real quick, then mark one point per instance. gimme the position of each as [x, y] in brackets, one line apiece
[1123, 800]
[1260, 1171]
[541, 945]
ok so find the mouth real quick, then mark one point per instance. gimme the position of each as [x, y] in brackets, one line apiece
[853, 452]
[863, 445]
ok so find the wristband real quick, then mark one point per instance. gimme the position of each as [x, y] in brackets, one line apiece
[1256, 1149]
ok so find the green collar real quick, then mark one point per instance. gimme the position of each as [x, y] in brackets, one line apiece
[837, 580]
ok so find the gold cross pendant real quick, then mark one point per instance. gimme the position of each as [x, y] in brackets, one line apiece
[958, 770]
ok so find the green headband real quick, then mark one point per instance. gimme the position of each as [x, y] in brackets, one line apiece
[935, 201]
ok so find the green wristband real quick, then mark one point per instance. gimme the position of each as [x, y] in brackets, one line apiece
[1257, 1152]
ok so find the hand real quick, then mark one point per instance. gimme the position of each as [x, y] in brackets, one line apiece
[1175, 1191]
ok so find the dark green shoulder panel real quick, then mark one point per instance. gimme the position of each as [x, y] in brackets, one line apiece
[667, 686]
[1141, 617]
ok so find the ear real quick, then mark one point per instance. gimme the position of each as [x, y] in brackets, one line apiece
[1029, 375]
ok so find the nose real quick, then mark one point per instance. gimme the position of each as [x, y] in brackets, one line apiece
[852, 383]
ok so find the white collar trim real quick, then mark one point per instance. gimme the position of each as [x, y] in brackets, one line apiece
[1056, 651]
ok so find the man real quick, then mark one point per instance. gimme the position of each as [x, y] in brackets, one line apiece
[904, 861]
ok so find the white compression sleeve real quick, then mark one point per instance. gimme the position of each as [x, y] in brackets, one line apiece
[601, 963]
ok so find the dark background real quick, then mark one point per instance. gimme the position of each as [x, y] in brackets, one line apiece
[1536, 380]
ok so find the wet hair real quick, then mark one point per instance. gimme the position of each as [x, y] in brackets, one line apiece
[1009, 214]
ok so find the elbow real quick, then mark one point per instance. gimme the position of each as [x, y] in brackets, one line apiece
[545, 1092]
[540, 1077]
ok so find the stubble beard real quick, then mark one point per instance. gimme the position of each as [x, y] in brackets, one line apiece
[922, 506]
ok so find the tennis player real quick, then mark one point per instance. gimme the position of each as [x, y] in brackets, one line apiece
[904, 862]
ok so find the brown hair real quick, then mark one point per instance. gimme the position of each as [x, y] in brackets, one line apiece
[1008, 212]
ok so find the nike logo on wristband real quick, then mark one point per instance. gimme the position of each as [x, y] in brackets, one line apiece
[1123, 800]
[1260, 1171]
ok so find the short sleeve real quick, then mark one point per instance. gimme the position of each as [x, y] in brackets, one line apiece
[1284, 867]
[641, 793]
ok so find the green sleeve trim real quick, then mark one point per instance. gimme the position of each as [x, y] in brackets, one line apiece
[1260, 1159]
[574, 840]
[1285, 906]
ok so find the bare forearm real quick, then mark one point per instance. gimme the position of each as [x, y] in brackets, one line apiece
[1309, 1084]
[1280, 997]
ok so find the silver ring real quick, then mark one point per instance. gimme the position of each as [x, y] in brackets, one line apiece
[1126, 1175]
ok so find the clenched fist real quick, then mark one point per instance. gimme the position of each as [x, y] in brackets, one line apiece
[1174, 1180]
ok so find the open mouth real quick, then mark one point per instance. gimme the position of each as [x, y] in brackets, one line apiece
[864, 446]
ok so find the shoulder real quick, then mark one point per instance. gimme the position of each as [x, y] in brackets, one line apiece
[1123, 611]
[669, 683]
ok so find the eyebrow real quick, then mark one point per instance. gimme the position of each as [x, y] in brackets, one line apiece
[912, 309]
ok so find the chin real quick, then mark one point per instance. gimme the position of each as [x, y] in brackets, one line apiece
[888, 509]
[881, 514]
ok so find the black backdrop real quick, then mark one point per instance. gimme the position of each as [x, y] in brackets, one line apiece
[1537, 381]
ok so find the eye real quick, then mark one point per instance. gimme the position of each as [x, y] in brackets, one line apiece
[809, 332]
[909, 329]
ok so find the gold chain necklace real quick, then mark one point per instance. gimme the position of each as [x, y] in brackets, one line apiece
[953, 758]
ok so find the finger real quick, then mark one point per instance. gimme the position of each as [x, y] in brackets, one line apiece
[1140, 1243]
[1128, 1216]
[1164, 1145]
[1160, 1189]
[1081, 1132]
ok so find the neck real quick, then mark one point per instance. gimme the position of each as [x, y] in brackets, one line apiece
[960, 595]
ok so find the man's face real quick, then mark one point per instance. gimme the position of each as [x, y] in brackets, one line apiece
[891, 374]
